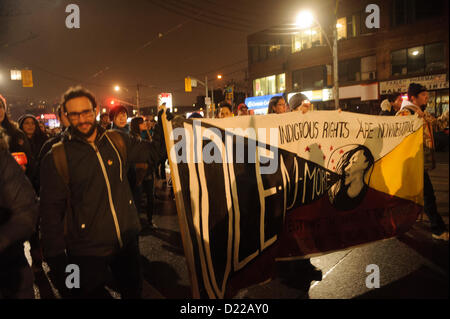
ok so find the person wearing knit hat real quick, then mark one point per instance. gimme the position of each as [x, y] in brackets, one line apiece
[416, 104]
[118, 117]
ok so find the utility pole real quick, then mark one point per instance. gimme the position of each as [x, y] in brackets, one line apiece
[206, 96]
[137, 100]
[335, 69]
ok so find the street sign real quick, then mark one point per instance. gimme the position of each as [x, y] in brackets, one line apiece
[208, 100]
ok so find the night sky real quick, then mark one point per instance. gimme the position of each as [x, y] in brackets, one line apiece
[152, 42]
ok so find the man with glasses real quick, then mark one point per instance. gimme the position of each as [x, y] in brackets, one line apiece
[89, 218]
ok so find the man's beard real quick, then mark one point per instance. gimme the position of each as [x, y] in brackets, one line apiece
[77, 132]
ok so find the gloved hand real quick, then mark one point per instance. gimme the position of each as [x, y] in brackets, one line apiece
[169, 115]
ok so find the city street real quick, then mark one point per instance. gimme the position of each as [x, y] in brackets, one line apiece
[294, 128]
[411, 266]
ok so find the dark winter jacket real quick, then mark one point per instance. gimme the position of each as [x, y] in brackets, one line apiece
[18, 207]
[102, 216]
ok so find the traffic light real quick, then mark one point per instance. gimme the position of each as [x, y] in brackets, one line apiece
[187, 84]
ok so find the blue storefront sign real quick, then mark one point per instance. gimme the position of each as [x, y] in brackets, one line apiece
[259, 104]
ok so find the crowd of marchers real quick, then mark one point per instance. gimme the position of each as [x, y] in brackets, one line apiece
[75, 195]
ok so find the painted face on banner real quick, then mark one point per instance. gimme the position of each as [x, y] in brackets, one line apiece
[356, 166]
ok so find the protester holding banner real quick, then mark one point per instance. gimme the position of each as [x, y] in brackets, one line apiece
[299, 102]
[242, 109]
[417, 102]
[391, 105]
[225, 110]
[277, 105]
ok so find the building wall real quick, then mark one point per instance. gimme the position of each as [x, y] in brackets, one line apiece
[380, 43]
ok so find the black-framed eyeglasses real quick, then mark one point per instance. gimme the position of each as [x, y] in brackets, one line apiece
[76, 115]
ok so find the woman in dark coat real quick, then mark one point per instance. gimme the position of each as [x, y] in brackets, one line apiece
[36, 138]
[143, 175]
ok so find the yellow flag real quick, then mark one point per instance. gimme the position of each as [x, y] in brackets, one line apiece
[27, 79]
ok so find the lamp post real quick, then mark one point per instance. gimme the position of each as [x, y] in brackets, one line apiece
[305, 19]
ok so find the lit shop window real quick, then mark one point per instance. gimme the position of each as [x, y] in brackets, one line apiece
[281, 83]
[269, 85]
[306, 39]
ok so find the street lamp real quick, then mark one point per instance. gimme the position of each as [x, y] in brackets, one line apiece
[304, 20]
[117, 88]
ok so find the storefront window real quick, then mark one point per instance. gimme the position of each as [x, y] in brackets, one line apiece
[269, 85]
[281, 82]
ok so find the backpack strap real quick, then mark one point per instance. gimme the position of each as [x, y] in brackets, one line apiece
[60, 159]
[119, 143]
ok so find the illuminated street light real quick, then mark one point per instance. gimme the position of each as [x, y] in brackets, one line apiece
[415, 52]
[219, 76]
[304, 20]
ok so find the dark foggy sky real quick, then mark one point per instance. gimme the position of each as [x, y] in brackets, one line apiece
[118, 43]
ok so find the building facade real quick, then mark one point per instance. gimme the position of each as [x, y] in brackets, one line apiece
[410, 45]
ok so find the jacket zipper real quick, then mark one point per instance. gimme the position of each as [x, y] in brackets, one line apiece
[117, 153]
[108, 186]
